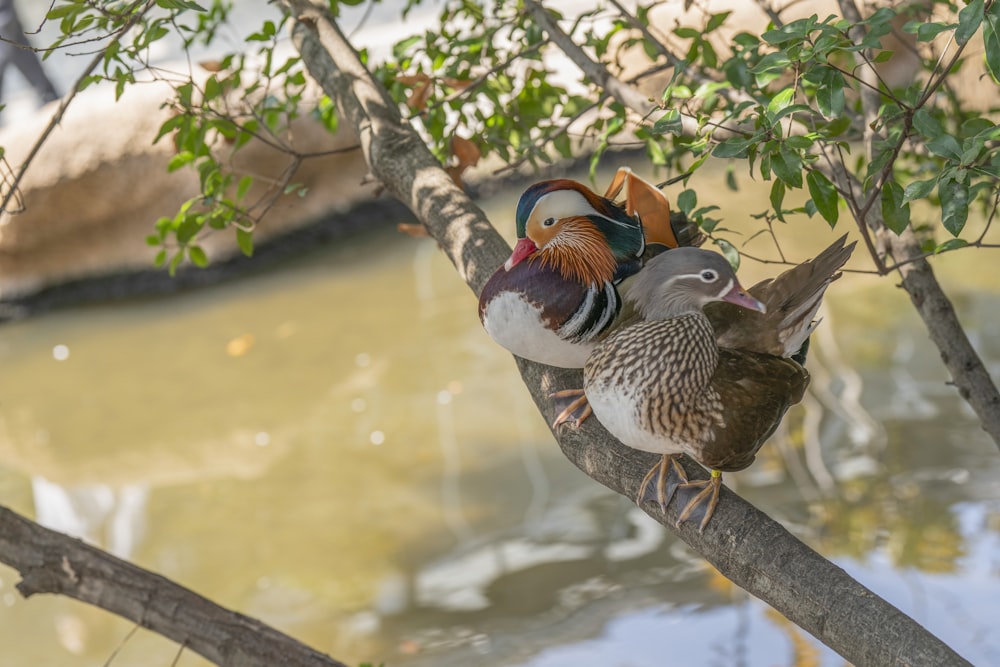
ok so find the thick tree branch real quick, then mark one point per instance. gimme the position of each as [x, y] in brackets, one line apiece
[743, 543]
[418, 180]
[595, 72]
[50, 562]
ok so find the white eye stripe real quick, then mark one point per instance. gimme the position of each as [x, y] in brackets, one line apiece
[700, 275]
[725, 290]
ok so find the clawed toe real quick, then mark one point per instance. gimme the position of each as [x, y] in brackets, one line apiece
[576, 407]
[670, 479]
[704, 501]
[666, 483]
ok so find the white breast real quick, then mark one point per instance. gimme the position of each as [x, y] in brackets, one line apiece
[617, 408]
[517, 326]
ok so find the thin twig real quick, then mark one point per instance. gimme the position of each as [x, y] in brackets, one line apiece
[121, 645]
[64, 104]
[480, 80]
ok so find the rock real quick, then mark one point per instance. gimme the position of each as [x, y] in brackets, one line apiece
[98, 184]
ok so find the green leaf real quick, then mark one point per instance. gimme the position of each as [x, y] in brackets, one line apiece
[244, 239]
[790, 109]
[777, 198]
[687, 200]
[716, 20]
[969, 20]
[161, 258]
[830, 94]
[400, 49]
[180, 5]
[730, 251]
[991, 40]
[772, 62]
[919, 189]
[197, 255]
[945, 146]
[787, 165]
[563, 144]
[824, 196]
[175, 262]
[655, 152]
[895, 211]
[928, 31]
[950, 244]
[243, 187]
[171, 124]
[779, 102]
[954, 205]
[836, 127]
[927, 125]
[732, 147]
[669, 123]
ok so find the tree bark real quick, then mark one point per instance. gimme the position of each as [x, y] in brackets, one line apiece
[968, 372]
[50, 562]
[741, 542]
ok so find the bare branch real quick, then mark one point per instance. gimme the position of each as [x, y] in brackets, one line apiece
[594, 71]
[64, 104]
[50, 562]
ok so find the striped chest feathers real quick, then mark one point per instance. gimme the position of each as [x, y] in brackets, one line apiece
[650, 384]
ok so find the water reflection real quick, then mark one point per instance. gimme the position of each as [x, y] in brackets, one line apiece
[338, 449]
[111, 517]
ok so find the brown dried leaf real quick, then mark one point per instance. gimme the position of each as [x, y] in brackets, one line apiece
[413, 79]
[416, 231]
[418, 96]
[211, 65]
[465, 151]
[457, 84]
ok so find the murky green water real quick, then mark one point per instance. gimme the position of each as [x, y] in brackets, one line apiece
[336, 448]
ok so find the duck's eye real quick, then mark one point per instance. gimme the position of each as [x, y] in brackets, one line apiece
[548, 222]
[709, 276]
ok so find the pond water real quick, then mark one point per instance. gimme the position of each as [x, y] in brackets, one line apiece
[336, 448]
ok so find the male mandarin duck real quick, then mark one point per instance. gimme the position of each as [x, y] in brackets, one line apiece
[665, 385]
[556, 296]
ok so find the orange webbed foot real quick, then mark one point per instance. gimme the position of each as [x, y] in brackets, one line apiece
[665, 487]
[704, 502]
[575, 407]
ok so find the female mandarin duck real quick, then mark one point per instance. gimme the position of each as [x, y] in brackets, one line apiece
[664, 384]
[556, 296]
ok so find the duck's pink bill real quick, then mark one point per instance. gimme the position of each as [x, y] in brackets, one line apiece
[738, 296]
[524, 249]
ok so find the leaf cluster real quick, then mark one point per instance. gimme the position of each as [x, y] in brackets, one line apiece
[791, 106]
[788, 104]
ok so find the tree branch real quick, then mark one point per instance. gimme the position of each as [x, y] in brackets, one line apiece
[50, 562]
[742, 543]
[968, 373]
[64, 104]
[595, 72]
[417, 179]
